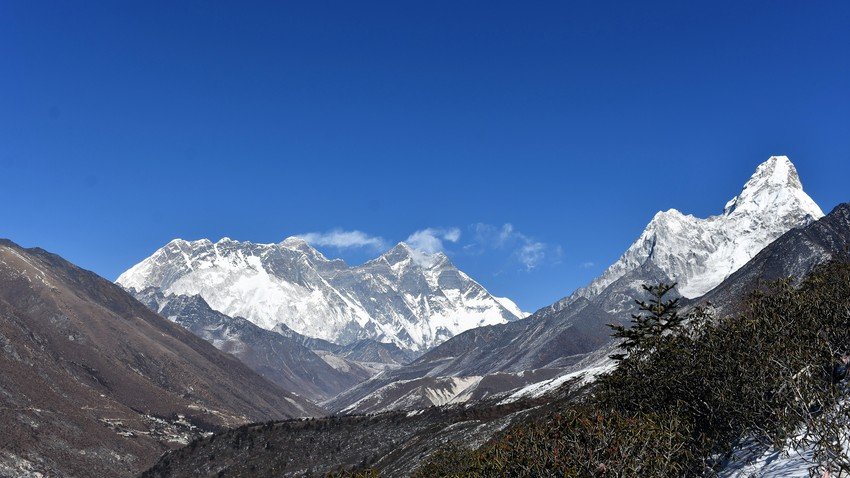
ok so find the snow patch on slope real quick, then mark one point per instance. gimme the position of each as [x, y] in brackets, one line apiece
[754, 461]
[584, 376]
[512, 307]
[415, 394]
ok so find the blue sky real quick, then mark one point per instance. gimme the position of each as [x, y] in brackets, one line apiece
[533, 140]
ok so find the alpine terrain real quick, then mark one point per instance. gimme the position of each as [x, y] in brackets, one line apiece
[396, 443]
[563, 338]
[281, 356]
[93, 383]
[407, 297]
[699, 253]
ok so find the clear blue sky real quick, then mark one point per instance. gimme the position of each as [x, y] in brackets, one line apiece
[126, 124]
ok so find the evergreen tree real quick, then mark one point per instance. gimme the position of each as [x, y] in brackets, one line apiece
[653, 320]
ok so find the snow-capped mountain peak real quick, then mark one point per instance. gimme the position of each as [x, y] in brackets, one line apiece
[404, 253]
[299, 244]
[401, 252]
[777, 171]
[699, 253]
[775, 184]
[413, 298]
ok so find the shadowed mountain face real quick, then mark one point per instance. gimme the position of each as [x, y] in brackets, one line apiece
[92, 383]
[373, 352]
[368, 352]
[794, 255]
[503, 354]
[279, 357]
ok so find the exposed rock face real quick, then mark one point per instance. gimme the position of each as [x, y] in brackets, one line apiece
[93, 383]
[281, 358]
[794, 255]
[412, 299]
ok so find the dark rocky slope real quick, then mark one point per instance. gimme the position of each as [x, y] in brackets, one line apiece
[794, 255]
[392, 442]
[92, 383]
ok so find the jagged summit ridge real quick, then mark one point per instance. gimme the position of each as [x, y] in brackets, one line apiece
[699, 253]
[408, 297]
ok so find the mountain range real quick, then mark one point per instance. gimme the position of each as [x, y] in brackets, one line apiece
[394, 442]
[407, 297]
[98, 379]
[696, 253]
[472, 344]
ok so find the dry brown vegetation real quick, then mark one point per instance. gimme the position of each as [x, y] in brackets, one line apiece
[692, 389]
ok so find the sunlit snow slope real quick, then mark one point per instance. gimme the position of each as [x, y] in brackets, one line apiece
[700, 253]
[412, 299]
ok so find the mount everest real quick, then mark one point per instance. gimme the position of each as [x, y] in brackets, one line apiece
[407, 297]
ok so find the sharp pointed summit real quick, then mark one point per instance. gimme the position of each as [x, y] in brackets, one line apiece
[699, 253]
[777, 170]
[399, 252]
[774, 188]
[403, 251]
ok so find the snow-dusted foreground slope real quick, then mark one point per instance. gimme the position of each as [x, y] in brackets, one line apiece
[700, 253]
[404, 296]
[755, 461]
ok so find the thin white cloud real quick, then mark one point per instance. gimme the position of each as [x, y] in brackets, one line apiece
[452, 235]
[587, 265]
[430, 240]
[520, 248]
[344, 239]
[507, 232]
[531, 254]
[526, 250]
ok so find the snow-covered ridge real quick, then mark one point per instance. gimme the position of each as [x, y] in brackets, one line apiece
[700, 253]
[413, 299]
